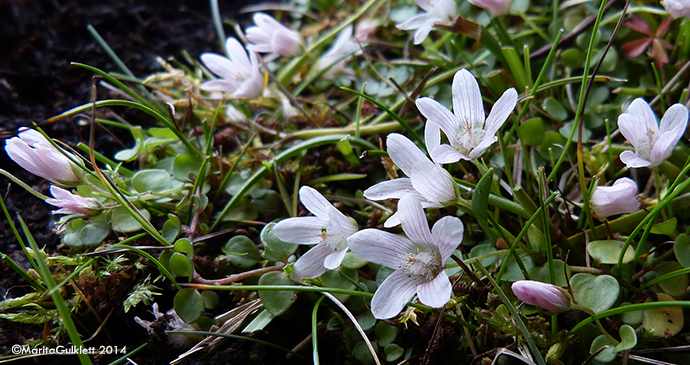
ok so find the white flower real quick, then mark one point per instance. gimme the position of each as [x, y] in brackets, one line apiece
[548, 296]
[468, 131]
[418, 259]
[677, 8]
[344, 45]
[329, 230]
[270, 36]
[365, 28]
[653, 143]
[495, 7]
[428, 182]
[435, 11]
[37, 155]
[615, 199]
[240, 75]
[71, 203]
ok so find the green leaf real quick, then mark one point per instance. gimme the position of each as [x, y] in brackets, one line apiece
[184, 165]
[608, 354]
[276, 301]
[567, 128]
[352, 262]
[676, 285]
[80, 233]
[665, 228]
[362, 353]
[181, 265]
[480, 204]
[541, 273]
[555, 109]
[242, 252]
[185, 246]
[367, 321]
[122, 221]
[532, 132]
[129, 154]
[607, 251]
[660, 321]
[597, 293]
[211, 299]
[276, 250]
[628, 338]
[259, 322]
[244, 210]
[156, 180]
[338, 278]
[682, 249]
[385, 333]
[554, 141]
[484, 249]
[189, 304]
[513, 271]
[393, 352]
[346, 149]
[171, 228]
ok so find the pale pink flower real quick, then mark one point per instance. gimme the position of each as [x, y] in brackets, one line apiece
[270, 36]
[618, 198]
[469, 132]
[418, 259]
[427, 181]
[71, 203]
[344, 46]
[37, 155]
[435, 11]
[653, 143]
[239, 75]
[366, 28]
[677, 8]
[495, 7]
[550, 297]
[329, 229]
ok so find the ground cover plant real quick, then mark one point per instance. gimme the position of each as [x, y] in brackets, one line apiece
[375, 182]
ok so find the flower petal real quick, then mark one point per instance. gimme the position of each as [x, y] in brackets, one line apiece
[404, 153]
[488, 140]
[381, 247]
[631, 160]
[227, 85]
[414, 222]
[314, 202]
[300, 230]
[501, 111]
[389, 189]
[345, 226]
[444, 154]
[433, 183]
[440, 115]
[423, 31]
[238, 55]
[311, 264]
[219, 65]
[415, 22]
[631, 128]
[675, 119]
[435, 293]
[334, 260]
[640, 110]
[448, 232]
[432, 136]
[390, 298]
[467, 99]
[663, 148]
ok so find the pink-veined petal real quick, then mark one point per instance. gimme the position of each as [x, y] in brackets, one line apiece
[314, 201]
[435, 293]
[445, 154]
[467, 99]
[346, 226]
[488, 140]
[433, 183]
[381, 247]
[392, 221]
[311, 264]
[631, 128]
[440, 115]
[300, 230]
[390, 298]
[404, 153]
[415, 22]
[389, 189]
[675, 119]
[219, 65]
[616, 199]
[448, 232]
[501, 111]
[414, 222]
[631, 160]
[334, 260]
[640, 110]
[663, 148]
[432, 136]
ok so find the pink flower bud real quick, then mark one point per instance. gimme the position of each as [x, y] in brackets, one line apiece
[677, 8]
[35, 154]
[618, 198]
[495, 7]
[71, 203]
[550, 297]
[270, 36]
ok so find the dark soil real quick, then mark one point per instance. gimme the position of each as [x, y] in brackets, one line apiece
[38, 40]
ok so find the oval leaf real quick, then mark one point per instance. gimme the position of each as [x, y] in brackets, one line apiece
[276, 302]
[607, 251]
[597, 293]
[189, 304]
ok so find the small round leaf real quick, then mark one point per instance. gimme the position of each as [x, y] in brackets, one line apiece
[597, 293]
[242, 252]
[189, 304]
[661, 321]
[607, 251]
[276, 301]
[181, 265]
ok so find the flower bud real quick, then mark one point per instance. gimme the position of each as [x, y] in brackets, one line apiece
[550, 297]
[71, 203]
[677, 8]
[37, 155]
[618, 198]
[495, 7]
